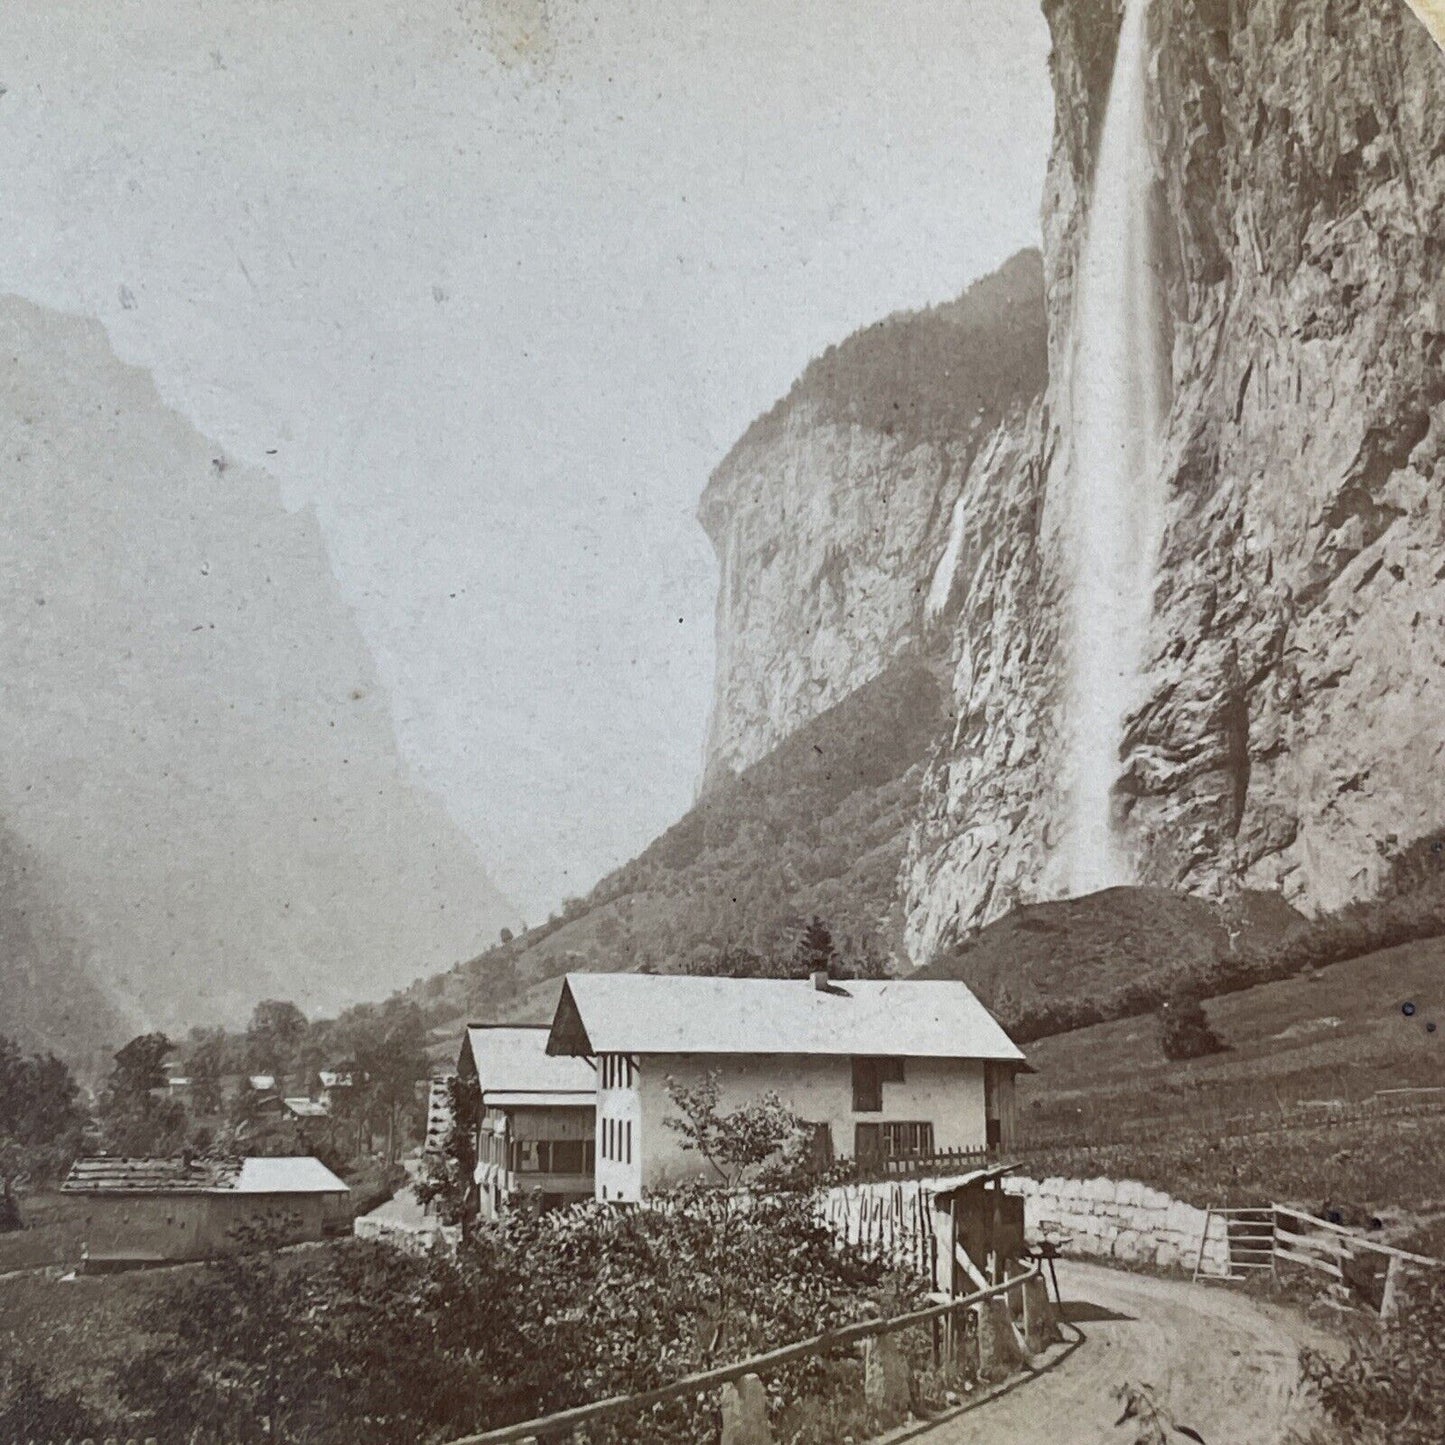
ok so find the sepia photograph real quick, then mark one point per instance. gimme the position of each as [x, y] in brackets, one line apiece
[724, 722]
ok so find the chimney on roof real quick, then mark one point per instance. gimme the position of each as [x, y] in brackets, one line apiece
[819, 977]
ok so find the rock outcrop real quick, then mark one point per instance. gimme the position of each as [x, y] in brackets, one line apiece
[1295, 679]
[840, 518]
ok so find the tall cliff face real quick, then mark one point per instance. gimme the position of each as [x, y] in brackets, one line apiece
[1291, 733]
[201, 799]
[836, 518]
[1291, 737]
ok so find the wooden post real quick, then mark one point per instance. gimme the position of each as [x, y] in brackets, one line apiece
[1390, 1301]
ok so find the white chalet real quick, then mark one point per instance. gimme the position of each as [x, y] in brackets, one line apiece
[535, 1133]
[881, 1069]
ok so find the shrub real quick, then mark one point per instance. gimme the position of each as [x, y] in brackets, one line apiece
[1391, 1386]
[1185, 1031]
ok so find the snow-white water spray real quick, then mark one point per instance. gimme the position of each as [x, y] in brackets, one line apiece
[1116, 504]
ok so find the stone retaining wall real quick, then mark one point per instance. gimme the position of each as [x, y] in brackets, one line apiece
[1124, 1220]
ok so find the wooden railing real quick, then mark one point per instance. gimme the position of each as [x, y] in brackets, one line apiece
[1262, 1238]
[562, 1424]
[944, 1161]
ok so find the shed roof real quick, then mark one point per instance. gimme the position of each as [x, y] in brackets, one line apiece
[685, 1014]
[305, 1108]
[105, 1175]
[513, 1059]
[296, 1175]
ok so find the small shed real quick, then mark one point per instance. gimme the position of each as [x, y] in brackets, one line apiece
[165, 1211]
[979, 1228]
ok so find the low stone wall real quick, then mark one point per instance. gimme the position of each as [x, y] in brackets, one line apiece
[1124, 1220]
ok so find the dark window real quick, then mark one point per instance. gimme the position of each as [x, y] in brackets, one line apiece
[867, 1142]
[867, 1087]
[568, 1156]
[904, 1140]
[993, 1132]
[869, 1076]
[628, 1127]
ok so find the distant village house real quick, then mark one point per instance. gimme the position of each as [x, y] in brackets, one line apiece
[881, 1070]
[163, 1211]
[535, 1136]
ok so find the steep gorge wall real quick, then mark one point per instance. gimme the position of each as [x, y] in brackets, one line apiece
[1292, 734]
[837, 512]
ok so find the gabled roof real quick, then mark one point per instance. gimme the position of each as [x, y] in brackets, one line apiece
[104, 1175]
[513, 1059]
[635, 1013]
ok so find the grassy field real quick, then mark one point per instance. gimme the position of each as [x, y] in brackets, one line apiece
[84, 1329]
[1297, 1107]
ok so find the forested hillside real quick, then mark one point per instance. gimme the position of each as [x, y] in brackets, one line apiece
[816, 827]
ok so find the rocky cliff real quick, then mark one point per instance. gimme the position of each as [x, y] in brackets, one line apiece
[839, 518]
[1291, 735]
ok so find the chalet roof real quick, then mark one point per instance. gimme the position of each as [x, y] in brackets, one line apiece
[513, 1058]
[105, 1175]
[634, 1013]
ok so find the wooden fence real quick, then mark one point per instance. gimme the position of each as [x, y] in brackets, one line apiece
[1262, 1239]
[565, 1423]
[890, 1222]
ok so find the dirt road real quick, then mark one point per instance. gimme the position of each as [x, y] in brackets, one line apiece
[1221, 1363]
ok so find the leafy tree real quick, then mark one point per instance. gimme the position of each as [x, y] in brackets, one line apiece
[349, 1344]
[209, 1056]
[41, 1123]
[737, 1144]
[1185, 1031]
[388, 1045]
[274, 1035]
[134, 1119]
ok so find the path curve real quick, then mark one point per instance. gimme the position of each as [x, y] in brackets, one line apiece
[1221, 1362]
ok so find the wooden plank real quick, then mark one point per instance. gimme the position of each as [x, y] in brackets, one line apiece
[1360, 1241]
[1326, 1244]
[1311, 1261]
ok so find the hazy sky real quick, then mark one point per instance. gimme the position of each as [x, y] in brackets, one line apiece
[493, 287]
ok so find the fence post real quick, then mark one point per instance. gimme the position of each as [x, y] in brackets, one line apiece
[1390, 1300]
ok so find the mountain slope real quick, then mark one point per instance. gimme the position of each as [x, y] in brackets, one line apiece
[1049, 955]
[48, 998]
[817, 826]
[197, 755]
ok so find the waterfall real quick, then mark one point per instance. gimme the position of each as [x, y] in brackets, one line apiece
[1115, 491]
